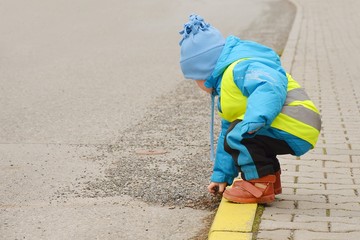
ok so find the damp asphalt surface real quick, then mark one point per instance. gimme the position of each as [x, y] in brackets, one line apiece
[100, 136]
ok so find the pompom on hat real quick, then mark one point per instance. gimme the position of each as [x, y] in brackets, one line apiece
[201, 46]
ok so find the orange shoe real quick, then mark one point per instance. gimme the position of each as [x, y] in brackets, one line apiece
[277, 184]
[254, 191]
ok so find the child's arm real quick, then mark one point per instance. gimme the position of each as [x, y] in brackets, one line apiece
[266, 90]
[224, 167]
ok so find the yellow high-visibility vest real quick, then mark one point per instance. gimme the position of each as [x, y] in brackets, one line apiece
[299, 116]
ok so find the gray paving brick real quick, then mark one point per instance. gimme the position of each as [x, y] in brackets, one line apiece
[309, 198]
[311, 186]
[343, 199]
[356, 172]
[279, 217]
[355, 145]
[325, 181]
[357, 182]
[277, 234]
[344, 227]
[335, 158]
[332, 175]
[342, 145]
[287, 179]
[344, 192]
[332, 151]
[335, 220]
[345, 213]
[356, 159]
[287, 167]
[310, 235]
[304, 174]
[287, 190]
[332, 186]
[343, 206]
[309, 212]
[280, 225]
[309, 163]
[342, 170]
[348, 164]
[283, 204]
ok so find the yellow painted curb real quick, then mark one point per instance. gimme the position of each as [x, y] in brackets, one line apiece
[230, 236]
[233, 221]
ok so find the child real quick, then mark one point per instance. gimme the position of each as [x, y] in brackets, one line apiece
[264, 111]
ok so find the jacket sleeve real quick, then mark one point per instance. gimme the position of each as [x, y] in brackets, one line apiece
[266, 89]
[224, 167]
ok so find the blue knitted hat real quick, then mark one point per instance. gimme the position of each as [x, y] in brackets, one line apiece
[201, 46]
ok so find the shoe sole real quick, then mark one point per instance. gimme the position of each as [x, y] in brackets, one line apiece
[265, 199]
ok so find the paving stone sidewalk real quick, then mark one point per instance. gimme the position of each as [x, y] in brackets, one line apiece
[320, 197]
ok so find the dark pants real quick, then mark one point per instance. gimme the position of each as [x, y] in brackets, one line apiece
[263, 151]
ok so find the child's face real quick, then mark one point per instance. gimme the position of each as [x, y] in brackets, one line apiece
[201, 85]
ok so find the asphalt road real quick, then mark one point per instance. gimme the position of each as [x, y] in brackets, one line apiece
[88, 89]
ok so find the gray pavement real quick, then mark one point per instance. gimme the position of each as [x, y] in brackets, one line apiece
[85, 88]
[320, 197]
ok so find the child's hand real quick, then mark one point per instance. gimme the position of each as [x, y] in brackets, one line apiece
[216, 188]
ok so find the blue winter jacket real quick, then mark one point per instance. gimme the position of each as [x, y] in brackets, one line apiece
[260, 78]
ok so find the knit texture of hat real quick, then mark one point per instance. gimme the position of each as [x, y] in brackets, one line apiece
[201, 46]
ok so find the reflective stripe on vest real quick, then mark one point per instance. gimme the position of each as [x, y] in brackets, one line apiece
[304, 115]
[297, 94]
[298, 117]
[300, 112]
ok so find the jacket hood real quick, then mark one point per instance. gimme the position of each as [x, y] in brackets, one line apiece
[236, 49]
